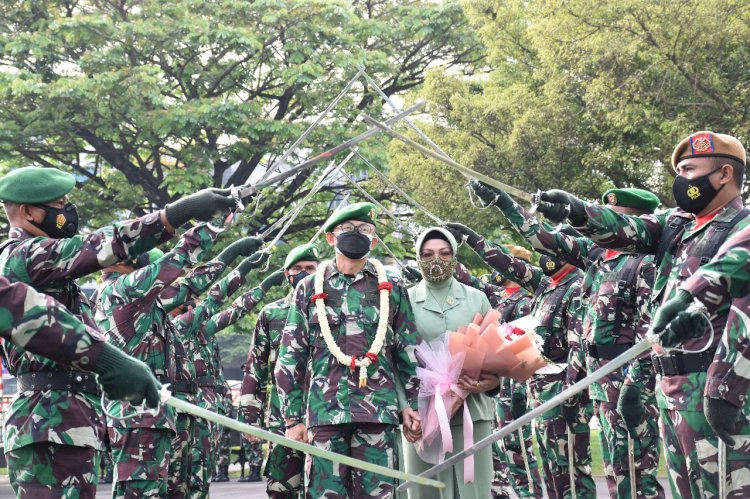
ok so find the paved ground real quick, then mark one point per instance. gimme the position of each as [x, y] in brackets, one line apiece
[234, 489]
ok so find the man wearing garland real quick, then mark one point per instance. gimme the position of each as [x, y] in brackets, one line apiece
[352, 326]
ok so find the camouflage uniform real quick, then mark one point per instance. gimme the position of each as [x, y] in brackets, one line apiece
[188, 479]
[134, 320]
[283, 467]
[342, 417]
[58, 433]
[690, 444]
[211, 375]
[557, 305]
[508, 462]
[617, 286]
[727, 277]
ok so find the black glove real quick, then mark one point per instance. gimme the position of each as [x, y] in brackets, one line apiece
[242, 247]
[555, 207]
[517, 405]
[254, 261]
[570, 414]
[412, 274]
[123, 377]
[491, 195]
[722, 416]
[630, 407]
[460, 230]
[674, 325]
[203, 205]
[272, 280]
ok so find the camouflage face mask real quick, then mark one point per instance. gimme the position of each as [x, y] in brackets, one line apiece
[437, 269]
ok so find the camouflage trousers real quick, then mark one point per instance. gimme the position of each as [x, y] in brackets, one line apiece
[180, 463]
[220, 446]
[372, 442]
[201, 462]
[615, 454]
[253, 452]
[283, 471]
[692, 456]
[50, 470]
[141, 459]
[511, 470]
[552, 438]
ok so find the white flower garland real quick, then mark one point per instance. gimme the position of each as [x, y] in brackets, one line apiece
[371, 356]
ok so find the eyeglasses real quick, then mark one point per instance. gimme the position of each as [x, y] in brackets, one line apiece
[364, 229]
[444, 254]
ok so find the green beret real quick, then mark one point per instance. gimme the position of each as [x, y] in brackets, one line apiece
[34, 185]
[631, 198]
[154, 255]
[363, 212]
[302, 253]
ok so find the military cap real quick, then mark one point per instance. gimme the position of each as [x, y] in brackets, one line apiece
[35, 185]
[709, 144]
[631, 198]
[363, 212]
[519, 252]
[302, 253]
[434, 231]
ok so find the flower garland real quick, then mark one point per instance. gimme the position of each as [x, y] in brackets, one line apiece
[384, 288]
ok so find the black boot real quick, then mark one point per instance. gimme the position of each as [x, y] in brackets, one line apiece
[254, 475]
[222, 473]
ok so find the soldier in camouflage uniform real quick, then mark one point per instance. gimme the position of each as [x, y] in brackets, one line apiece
[197, 361]
[710, 170]
[349, 410]
[725, 279]
[44, 251]
[512, 470]
[221, 454]
[260, 407]
[557, 305]
[130, 311]
[618, 287]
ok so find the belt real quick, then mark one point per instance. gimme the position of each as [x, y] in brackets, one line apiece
[71, 381]
[189, 386]
[605, 352]
[209, 381]
[682, 363]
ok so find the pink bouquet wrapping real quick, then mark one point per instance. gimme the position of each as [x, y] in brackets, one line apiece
[483, 346]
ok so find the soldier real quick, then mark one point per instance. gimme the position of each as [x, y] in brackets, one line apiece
[356, 336]
[617, 285]
[44, 251]
[710, 170]
[201, 329]
[557, 305]
[42, 326]
[221, 454]
[196, 365]
[129, 310]
[258, 406]
[514, 467]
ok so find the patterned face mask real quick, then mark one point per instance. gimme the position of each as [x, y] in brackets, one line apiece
[437, 269]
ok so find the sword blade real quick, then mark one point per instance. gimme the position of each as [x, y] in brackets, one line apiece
[631, 467]
[467, 172]
[248, 189]
[571, 463]
[527, 418]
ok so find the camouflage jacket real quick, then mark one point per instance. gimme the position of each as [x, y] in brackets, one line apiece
[353, 310]
[681, 260]
[727, 278]
[190, 333]
[601, 289]
[129, 312]
[259, 367]
[210, 350]
[510, 267]
[42, 326]
[51, 266]
[187, 289]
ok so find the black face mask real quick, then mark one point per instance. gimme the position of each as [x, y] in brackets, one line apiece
[296, 278]
[353, 245]
[550, 266]
[59, 223]
[693, 195]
